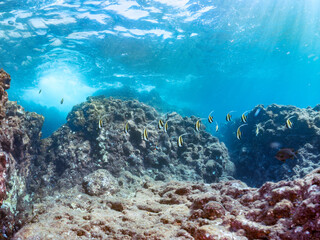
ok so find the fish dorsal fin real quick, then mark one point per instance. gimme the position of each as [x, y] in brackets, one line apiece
[290, 117]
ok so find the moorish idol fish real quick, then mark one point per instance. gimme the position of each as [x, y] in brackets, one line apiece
[244, 117]
[289, 124]
[180, 140]
[100, 123]
[145, 135]
[166, 127]
[239, 134]
[210, 118]
[197, 126]
[229, 116]
[126, 128]
[160, 124]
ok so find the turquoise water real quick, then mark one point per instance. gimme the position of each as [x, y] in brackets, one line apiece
[203, 55]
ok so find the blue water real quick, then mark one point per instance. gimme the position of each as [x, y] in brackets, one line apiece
[202, 55]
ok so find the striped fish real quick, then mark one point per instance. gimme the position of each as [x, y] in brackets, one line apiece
[228, 117]
[126, 128]
[160, 124]
[239, 133]
[289, 124]
[197, 126]
[244, 118]
[166, 127]
[145, 135]
[180, 141]
[210, 118]
[100, 123]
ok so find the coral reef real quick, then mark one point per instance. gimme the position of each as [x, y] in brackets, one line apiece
[182, 210]
[19, 137]
[93, 180]
[79, 147]
[254, 154]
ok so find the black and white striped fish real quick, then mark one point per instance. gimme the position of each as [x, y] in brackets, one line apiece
[197, 126]
[210, 118]
[160, 124]
[126, 128]
[100, 123]
[244, 117]
[228, 117]
[145, 135]
[166, 127]
[289, 124]
[239, 133]
[180, 141]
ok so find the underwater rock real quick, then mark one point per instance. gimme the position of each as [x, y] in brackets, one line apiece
[91, 182]
[27, 138]
[80, 147]
[5, 80]
[4, 164]
[254, 154]
[100, 182]
[183, 210]
[19, 140]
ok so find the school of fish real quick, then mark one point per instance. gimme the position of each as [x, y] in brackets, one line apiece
[163, 126]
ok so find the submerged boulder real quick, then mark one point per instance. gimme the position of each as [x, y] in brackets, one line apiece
[100, 182]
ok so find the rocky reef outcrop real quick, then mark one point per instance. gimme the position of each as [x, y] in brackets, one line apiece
[181, 210]
[265, 133]
[19, 138]
[79, 147]
[93, 180]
